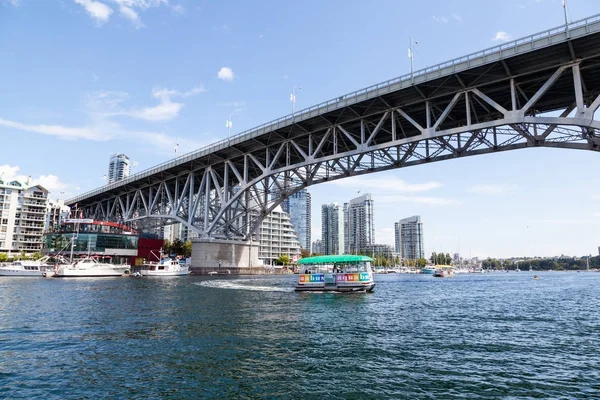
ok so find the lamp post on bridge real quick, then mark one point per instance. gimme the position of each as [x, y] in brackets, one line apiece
[229, 124]
[411, 55]
[293, 96]
[564, 5]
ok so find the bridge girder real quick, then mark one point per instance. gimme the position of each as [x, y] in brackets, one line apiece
[230, 195]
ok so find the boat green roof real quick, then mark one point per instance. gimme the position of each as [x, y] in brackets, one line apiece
[335, 259]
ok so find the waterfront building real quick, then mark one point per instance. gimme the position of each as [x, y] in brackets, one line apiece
[332, 229]
[359, 227]
[22, 217]
[278, 237]
[118, 167]
[56, 213]
[317, 247]
[92, 238]
[381, 250]
[409, 238]
[298, 206]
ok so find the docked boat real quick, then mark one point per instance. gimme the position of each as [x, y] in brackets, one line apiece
[25, 268]
[339, 273]
[428, 270]
[443, 271]
[88, 268]
[166, 267]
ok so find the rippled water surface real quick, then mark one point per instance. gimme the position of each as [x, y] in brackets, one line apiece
[472, 336]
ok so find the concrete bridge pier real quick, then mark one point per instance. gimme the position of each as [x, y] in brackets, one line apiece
[231, 254]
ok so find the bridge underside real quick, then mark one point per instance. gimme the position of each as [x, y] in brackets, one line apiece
[545, 98]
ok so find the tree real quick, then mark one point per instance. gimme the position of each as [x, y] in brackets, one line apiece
[36, 256]
[187, 249]
[283, 259]
[304, 253]
[177, 247]
[3, 257]
[433, 258]
[421, 262]
[167, 247]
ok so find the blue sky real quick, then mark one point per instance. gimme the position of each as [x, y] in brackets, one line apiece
[82, 79]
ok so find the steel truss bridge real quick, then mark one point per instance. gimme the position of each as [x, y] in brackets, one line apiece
[538, 91]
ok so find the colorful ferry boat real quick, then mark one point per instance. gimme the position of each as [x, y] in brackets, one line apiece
[336, 273]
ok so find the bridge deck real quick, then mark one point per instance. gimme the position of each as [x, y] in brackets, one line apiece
[530, 61]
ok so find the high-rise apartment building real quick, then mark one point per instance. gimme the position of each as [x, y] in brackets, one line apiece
[298, 207]
[22, 217]
[278, 237]
[409, 238]
[118, 167]
[359, 226]
[317, 247]
[332, 229]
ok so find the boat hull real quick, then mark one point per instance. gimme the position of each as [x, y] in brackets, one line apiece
[87, 274]
[17, 272]
[340, 289]
[168, 273]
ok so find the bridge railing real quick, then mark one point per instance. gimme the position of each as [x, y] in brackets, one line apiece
[342, 101]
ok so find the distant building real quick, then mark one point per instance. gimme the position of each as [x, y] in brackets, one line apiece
[278, 237]
[118, 167]
[23, 217]
[381, 250]
[332, 229]
[359, 227]
[298, 206]
[56, 213]
[409, 238]
[317, 247]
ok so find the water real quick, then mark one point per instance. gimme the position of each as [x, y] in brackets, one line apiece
[416, 337]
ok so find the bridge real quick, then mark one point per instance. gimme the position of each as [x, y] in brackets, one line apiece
[538, 91]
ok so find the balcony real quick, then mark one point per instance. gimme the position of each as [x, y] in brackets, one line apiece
[31, 218]
[35, 196]
[33, 211]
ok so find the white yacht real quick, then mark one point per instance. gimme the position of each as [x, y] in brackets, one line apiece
[90, 267]
[166, 267]
[24, 268]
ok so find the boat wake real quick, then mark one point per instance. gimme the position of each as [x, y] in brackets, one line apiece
[243, 284]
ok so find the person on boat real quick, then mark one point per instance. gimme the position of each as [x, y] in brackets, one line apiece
[306, 272]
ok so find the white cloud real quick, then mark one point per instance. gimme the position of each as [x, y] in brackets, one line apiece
[388, 184]
[560, 221]
[129, 9]
[429, 200]
[131, 15]
[64, 132]
[457, 18]
[596, 197]
[442, 20]
[226, 74]
[167, 109]
[97, 10]
[492, 188]
[14, 3]
[179, 9]
[102, 106]
[596, 214]
[52, 183]
[501, 36]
